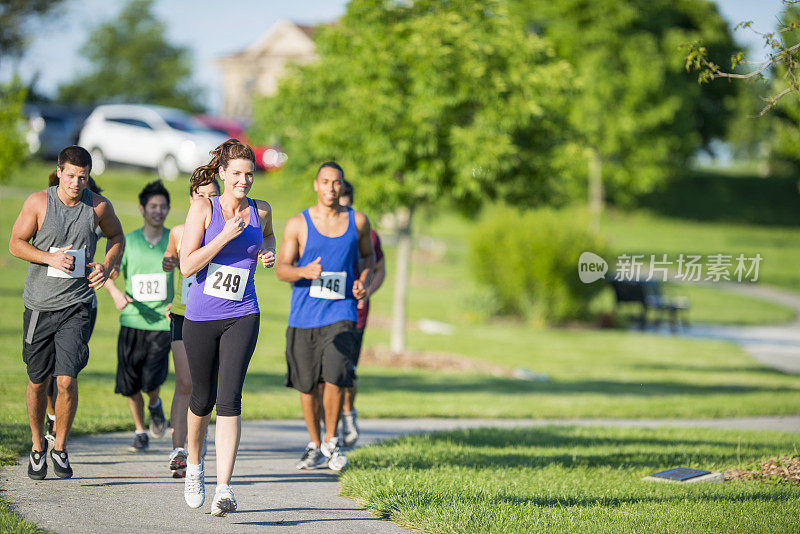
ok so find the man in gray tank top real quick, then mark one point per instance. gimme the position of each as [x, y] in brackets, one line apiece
[55, 233]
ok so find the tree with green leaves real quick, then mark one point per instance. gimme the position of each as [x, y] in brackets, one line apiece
[14, 15]
[13, 148]
[132, 62]
[636, 113]
[426, 104]
[781, 63]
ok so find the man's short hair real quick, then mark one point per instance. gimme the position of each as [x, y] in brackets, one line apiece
[152, 189]
[75, 155]
[333, 165]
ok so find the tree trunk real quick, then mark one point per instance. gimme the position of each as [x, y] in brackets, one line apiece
[595, 189]
[398, 337]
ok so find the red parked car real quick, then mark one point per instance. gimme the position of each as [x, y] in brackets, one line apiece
[268, 158]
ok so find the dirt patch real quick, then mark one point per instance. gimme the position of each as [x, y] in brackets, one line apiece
[783, 469]
[437, 361]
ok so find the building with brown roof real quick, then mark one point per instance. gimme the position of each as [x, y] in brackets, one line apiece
[256, 70]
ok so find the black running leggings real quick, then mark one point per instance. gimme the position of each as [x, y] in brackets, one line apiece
[219, 352]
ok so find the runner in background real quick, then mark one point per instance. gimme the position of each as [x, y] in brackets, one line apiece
[349, 414]
[52, 390]
[143, 342]
[55, 234]
[183, 379]
[319, 256]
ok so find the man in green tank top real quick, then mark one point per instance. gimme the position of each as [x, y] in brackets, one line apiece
[144, 339]
[55, 233]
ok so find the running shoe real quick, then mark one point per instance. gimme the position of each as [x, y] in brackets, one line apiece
[177, 462]
[140, 442]
[194, 487]
[50, 426]
[335, 459]
[224, 501]
[37, 465]
[349, 428]
[158, 423]
[312, 457]
[61, 463]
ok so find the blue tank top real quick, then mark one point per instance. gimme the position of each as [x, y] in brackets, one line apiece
[225, 288]
[328, 299]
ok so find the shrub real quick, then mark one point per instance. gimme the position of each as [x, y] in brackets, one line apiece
[529, 262]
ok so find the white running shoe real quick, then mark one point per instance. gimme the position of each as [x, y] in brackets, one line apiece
[312, 457]
[224, 501]
[349, 428]
[336, 460]
[194, 487]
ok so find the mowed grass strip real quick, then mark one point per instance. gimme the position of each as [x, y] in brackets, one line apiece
[571, 479]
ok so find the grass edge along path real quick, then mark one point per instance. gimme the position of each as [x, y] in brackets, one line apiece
[573, 479]
[11, 523]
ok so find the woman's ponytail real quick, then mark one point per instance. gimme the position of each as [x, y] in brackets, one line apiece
[220, 157]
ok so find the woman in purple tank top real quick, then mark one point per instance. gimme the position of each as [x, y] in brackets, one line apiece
[223, 239]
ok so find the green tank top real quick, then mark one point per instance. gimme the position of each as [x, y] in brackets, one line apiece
[145, 281]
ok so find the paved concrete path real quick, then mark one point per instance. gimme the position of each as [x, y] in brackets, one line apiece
[114, 490]
[776, 346]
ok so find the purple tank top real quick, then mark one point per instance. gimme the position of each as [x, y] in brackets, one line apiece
[225, 288]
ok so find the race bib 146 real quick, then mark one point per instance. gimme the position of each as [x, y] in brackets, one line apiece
[80, 265]
[225, 282]
[149, 287]
[330, 285]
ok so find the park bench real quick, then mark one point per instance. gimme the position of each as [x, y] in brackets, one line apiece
[649, 296]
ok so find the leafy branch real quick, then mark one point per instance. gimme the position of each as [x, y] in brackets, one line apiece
[782, 58]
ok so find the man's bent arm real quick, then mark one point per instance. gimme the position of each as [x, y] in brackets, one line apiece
[25, 227]
[112, 229]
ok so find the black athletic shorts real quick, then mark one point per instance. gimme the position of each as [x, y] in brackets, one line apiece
[142, 360]
[55, 342]
[52, 388]
[321, 354]
[359, 345]
[175, 327]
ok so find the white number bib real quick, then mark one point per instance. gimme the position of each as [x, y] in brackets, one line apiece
[225, 282]
[80, 265]
[149, 287]
[330, 285]
[186, 284]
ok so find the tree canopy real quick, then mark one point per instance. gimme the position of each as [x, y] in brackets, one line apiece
[14, 14]
[426, 102]
[132, 61]
[635, 110]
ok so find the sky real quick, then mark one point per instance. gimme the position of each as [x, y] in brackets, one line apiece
[211, 29]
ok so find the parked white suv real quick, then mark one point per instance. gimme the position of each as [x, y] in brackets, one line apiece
[166, 139]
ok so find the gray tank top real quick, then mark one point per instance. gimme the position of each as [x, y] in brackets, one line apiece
[63, 225]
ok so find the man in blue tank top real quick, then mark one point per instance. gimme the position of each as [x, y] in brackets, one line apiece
[320, 256]
[56, 233]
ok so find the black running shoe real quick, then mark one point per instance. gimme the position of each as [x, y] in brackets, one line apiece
[140, 442]
[37, 465]
[50, 426]
[61, 463]
[158, 423]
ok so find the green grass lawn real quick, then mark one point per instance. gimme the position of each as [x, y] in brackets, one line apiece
[570, 479]
[641, 232]
[592, 372]
[544, 479]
